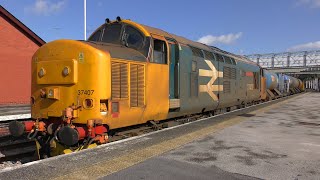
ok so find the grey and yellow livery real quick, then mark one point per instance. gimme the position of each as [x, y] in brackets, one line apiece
[127, 74]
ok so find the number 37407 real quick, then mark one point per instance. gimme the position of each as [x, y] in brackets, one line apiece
[85, 92]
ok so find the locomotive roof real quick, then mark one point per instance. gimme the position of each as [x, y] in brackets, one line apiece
[148, 30]
[186, 41]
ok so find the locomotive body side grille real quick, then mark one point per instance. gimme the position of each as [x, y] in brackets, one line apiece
[226, 87]
[226, 73]
[119, 80]
[137, 85]
[229, 74]
[124, 80]
[233, 73]
[140, 85]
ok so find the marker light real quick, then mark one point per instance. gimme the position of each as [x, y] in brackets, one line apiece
[41, 72]
[66, 71]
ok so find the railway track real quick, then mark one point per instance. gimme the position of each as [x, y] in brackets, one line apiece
[23, 150]
[13, 149]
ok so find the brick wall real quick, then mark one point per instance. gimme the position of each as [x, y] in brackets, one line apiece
[16, 51]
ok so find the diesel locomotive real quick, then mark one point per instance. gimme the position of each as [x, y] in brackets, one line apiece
[127, 74]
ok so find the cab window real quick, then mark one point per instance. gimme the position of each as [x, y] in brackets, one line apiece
[134, 39]
[159, 52]
[124, 35]
[112, 33]
[95, 36]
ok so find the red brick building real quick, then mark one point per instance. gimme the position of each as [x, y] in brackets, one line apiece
[17, 45]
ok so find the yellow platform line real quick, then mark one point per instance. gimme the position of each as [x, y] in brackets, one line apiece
[107, 167]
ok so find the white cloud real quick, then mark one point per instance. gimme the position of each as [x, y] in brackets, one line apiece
[46, 7]
[223, 39]
[310, 3]
[306, 46]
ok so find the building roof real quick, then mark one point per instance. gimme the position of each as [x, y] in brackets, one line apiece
[20, 26]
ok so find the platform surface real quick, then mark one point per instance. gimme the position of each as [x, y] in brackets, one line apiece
[13, 112]
[280, 141]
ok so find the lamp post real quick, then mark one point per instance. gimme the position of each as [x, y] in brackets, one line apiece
[85, 19]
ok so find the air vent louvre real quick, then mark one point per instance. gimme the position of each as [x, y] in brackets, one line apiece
[136, 85]
[119, 80]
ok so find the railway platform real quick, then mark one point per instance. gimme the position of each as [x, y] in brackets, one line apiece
[13, 112]
[278, 140]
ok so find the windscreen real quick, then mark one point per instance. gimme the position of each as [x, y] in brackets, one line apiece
[122, 34]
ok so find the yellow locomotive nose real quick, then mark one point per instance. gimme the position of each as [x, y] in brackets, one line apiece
[67, 73]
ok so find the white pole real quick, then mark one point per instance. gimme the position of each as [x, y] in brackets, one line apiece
[85, 19]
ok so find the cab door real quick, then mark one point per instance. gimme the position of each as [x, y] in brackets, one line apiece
[173, 69]
[157, 81]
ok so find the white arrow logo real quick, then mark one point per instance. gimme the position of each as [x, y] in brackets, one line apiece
[214, 74]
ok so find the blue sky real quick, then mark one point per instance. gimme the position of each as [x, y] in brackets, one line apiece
[239, 26]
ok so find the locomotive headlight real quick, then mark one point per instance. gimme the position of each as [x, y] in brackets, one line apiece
[53, 93]
[66, 71]
[88, 103]
[41, 72]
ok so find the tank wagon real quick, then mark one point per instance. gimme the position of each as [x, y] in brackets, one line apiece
[272, 83]
[281, 84]
[127, 74]
[272, 80]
